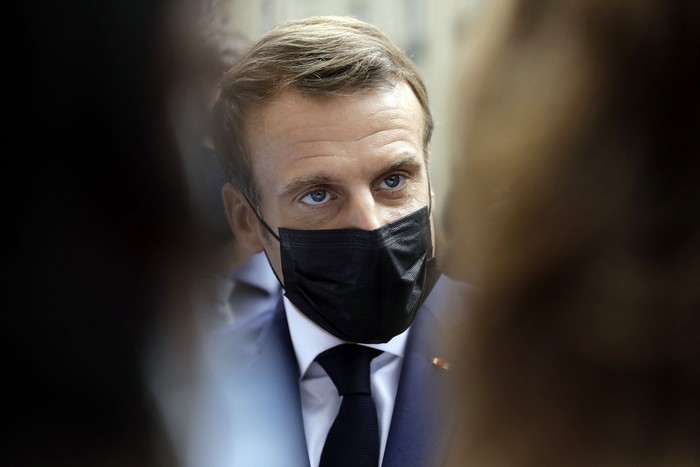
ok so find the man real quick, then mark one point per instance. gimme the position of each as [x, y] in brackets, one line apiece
[325, 128]
[235, 283]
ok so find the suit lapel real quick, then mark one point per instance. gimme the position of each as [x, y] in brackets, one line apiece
[274, 385]
[422, 417]
[259, 405]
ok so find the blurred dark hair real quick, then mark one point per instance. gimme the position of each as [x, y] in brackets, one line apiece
[103, 229]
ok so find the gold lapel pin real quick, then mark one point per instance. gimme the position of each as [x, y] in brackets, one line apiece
[439, 362]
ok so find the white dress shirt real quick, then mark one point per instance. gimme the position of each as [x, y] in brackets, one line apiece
[320, 401]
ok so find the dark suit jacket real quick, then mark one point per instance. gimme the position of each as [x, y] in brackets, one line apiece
[251, 409]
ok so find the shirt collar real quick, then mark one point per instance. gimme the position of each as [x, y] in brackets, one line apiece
[309, 339]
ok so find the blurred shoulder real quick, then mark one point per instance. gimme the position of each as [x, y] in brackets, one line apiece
[240, 339]
[449, 299]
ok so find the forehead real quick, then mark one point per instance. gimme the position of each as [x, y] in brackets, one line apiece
[293, 120]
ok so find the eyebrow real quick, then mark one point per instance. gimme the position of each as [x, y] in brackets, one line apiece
[407, 162]
[302, 182]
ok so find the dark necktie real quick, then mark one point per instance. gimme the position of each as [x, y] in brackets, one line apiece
[353, 440]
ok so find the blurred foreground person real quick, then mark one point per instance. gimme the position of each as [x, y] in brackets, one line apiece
[100, 260]
[578, 219]
[233, 283]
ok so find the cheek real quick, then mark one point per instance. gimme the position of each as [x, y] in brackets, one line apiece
[419, 194]
[394, 214]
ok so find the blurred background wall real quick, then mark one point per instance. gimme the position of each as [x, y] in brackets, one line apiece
[427, 30]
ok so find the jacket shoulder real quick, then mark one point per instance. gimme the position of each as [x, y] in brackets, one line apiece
[449, 300]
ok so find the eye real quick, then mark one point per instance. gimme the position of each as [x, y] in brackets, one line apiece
[392, 182]
[316, 197]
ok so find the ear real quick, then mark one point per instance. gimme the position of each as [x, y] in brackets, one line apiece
[242, 219]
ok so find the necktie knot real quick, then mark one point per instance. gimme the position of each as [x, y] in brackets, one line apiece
[348, 367]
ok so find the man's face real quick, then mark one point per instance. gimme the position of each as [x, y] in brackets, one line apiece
[352, 162]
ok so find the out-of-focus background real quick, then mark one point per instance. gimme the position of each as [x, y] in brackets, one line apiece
[428, 30]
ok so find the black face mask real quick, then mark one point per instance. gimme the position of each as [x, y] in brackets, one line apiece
[361, 286]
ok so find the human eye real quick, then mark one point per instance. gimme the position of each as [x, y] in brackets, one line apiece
[316, 197]
[392, 182]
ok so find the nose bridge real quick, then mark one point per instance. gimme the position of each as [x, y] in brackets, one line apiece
[364, 212]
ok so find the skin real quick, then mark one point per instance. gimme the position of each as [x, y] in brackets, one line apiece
[353, 162]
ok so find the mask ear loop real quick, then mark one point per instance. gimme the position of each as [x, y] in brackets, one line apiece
[430, 215]
[257, 214]
[267, 227]
[432, 277]
[430, 197]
